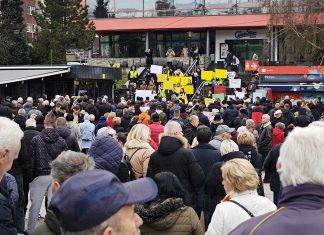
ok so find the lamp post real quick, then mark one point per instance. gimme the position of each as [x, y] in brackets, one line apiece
[189, 47]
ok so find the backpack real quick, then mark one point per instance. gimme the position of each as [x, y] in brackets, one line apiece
[125, 171]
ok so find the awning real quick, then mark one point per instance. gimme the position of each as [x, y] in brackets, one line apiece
[185, 23]
[291, 84]
[10, 74]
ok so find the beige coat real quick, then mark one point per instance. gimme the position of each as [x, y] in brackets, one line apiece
[141, 158]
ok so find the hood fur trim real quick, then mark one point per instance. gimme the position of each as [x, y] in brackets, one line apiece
[182, 139]
[136, 144]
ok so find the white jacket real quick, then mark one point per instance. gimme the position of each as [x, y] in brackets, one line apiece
[228, 215]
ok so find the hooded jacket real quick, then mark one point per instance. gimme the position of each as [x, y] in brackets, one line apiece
[252, 155]
[45, 148]
[169, 217]
[7, 225]
[173, 156]
[70, 140]
[278, 136]
[101, 123]
[156, 129]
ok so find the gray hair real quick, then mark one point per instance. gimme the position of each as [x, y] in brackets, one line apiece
[7, 140]
[31, 122]
[228, 146]
[280, 125]
[106, 131]
[21, 112]
[170, 127]
[30, 99]
[301, 157]
[193, 117]
[69, 163]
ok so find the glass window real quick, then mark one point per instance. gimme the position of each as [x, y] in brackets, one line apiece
[96, 11]
[127, 8]
[188, 7]
[158, 8]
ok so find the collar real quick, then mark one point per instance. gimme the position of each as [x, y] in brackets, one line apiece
[248, 192]
[267, 124]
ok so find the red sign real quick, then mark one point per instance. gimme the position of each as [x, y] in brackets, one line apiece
[251, 65]
[304, 70]
[220, 90]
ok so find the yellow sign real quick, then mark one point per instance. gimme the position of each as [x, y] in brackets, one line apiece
[189, 89]
[167, 86]
[162, 77]
[208, 101]
[207, 75]
[221, 73]
[174, 79]
[186, 80]
[177, 89]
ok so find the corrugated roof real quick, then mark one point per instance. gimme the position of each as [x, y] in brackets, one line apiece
[171, 23]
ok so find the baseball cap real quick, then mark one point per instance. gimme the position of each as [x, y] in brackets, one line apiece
[223, 128]
[278, 112]
[89, 198]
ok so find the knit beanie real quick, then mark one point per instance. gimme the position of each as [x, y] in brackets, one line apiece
[107, 153]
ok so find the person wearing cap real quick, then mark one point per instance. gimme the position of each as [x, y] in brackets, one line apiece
[96, 203]
[67, 164]
[223, 132]
[278, 117]
[45, 148]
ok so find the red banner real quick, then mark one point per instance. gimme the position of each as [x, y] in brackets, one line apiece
[220, 90]
[251, 65]
[303, 70]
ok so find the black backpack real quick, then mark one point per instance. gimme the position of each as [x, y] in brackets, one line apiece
[125, 171]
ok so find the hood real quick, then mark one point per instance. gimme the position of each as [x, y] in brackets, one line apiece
[161, 215]
[102, 119]
[136, 144]
[245, 148]
[52, 222]
[50, 135]
[170, 144]
[277, 131]
[63, 132]
[233, 155]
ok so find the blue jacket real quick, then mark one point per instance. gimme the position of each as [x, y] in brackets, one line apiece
[229, 116]
[301, 211]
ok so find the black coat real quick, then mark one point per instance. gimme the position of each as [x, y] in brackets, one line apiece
[103, 108]
[172, 156]
[125, 121]
[203, 119]
[252, 155]
[270, 166]
[302, 120]
[7, 226]
[189, 132]
[70, 139]
[229, 116]
[21, 121]
[265, 138]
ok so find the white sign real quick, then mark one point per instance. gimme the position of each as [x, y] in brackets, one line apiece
[231, 74]
[144, 94]
[157, 69]
[240, 95]
[234, 83]
[255, 95]
[229, 97]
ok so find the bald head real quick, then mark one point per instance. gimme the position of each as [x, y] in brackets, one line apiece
[172, 128]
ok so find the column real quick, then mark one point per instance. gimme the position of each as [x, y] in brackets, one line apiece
[207, 43]
[147, 43]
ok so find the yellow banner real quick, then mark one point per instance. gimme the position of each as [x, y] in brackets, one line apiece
[221, 73]
[174, 79]
[162, 77]
[186, 80]
[167, 86]
[207, 75]
[189, 89]
[208, 101]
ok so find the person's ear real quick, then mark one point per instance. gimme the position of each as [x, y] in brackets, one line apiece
[108, 231]
[4, 153]
[55, 186]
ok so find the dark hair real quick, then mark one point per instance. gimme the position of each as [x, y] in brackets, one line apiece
[69, 117]
[121, 137]
[203, 134]
[155, 117]
[169, 186]
[217, 117]
[5, 111]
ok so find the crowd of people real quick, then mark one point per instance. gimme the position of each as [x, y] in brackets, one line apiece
[160, 166]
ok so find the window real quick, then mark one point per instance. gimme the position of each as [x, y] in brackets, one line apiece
[31, 9]
[30, 28]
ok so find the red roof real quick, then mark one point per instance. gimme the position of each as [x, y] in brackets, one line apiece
[194, 22]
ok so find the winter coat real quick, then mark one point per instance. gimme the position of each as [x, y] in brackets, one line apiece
[300, 212]
[101, 123]
[265, 137]
[103, 108]
[257, 113]
[216, 142]
[45, 148]
[302, 120]
[270, 165]
[125, 121]
[230, 115]
[74, 128]
[189, 132]
[228, 215]
[169, 217]
[21, 121]
[70, 140]
[87, 134]
[203, 119]
[173, 156]
[27, 106]
[214, 187]
[163, 117]
[252, 155]
[91, 109]
[139, 159]
[156, 129]
[50, 225]
[7, 225]
[119, 128]
[278, 136]
[9, 184]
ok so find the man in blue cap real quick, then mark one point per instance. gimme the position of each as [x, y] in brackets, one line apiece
[97, 203]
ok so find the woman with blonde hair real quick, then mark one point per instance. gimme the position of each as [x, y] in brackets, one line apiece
[138, 149]
[242, 202]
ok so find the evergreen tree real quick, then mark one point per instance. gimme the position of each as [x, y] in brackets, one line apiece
[13, 44]
[101, 10]
[62, 25]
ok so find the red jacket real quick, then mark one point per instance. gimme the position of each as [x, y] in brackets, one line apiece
[156, 129]
[257, 113]
[278, 136]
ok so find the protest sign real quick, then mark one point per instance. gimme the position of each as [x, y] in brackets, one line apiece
[219, 96]
[231, 74]
[231, 97]
[157, 69]
[207, 75]
[186, 80]
[144, 94]
[162, 77]
[221, 73]
[234, 83]
[189, 89]
[240, 95]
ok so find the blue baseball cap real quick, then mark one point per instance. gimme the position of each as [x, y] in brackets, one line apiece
[89, 198]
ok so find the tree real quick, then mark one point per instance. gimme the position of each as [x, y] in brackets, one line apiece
[13, 44]
[299, 27]
[62, 25]
[101, 10]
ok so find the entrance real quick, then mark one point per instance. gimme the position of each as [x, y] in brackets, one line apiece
[244, 49]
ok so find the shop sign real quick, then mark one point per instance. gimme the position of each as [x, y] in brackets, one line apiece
[245, 34]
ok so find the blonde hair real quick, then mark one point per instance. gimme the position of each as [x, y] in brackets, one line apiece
[112, 115]
[245, 138]
[139, 132]
[228, 146]
[116, 120]
[240, 174]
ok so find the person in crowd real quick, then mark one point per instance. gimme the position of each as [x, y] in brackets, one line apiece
[107, 131]
[133, 75]
[223, 132]
[206, 156]
[203, 119]
[167, 213]
[173, 155]
[302, 120]
[21, 119]
[230, 114]
[87, 130]
[242, 201]
[138, 149]
[126, 119]
[73, 127]
[278, 135]
[242, 115]
[215, 123]
[90, 108]
[214, 187]
[156, 128]
[101, 123]
[302, 195]
[170, 54]
[265, 137]
[190, 130]
[229, 60]
[67, 164]
[257, 112]
[104, 107]
[9, 150]
[117, 125]
[182, 97]
[176, 117]
[144, 117]
[149, 57]
[110, 118]
[45, 148]
[66, 134]
[98, 219]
